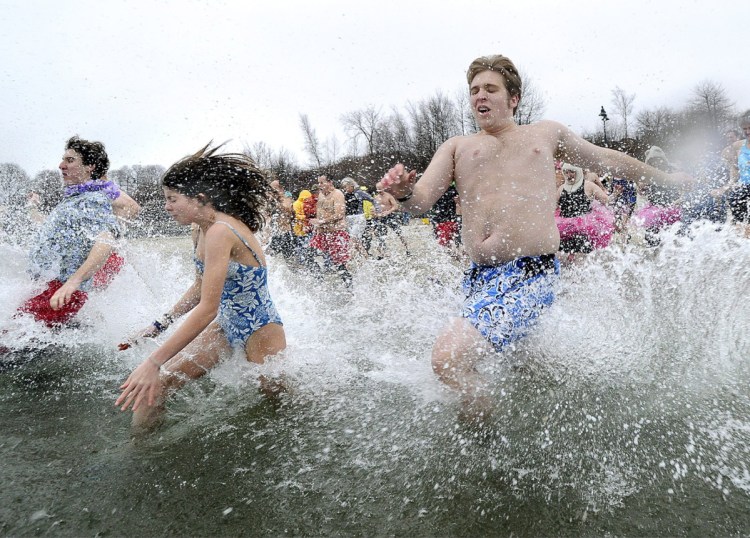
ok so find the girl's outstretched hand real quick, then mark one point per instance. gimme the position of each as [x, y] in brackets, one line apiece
[142, 383]
[149, 332]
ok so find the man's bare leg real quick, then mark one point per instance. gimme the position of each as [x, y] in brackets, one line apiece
[455, 355]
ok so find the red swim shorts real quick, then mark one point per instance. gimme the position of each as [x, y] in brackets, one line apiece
[335, 244]
[111, 267]
[39, 307]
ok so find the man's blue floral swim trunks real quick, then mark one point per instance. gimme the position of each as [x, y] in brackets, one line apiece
[504, 301]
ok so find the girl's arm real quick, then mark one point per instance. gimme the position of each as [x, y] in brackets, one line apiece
[184, 305]
[144, 382]
[188, 300]
[218, 247]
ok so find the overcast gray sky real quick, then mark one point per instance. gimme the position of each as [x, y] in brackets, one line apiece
[155, 80]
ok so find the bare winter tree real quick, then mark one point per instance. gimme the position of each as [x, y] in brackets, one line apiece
[14, 187]
[14, 184]
[312, 145]
[261, 154]
[623, 103]
[363, 123]
[711, 104]
[396, 135]
[280, 163]
[333, 149]
[125, 177]
[532, 105]
[149, 173]
[145, 187]
[467, 122]
[284, 165]
[147, 179]
[444, 118]
[49, 185]
[131, 177]
[433, 121]
[656, 126]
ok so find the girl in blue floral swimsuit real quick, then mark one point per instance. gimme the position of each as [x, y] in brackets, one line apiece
[225, 197]
[246, 305]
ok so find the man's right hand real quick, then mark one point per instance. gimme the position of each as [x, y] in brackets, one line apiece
[398, 181]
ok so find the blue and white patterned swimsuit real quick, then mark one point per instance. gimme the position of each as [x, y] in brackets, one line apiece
[504, 301]
[246, 304]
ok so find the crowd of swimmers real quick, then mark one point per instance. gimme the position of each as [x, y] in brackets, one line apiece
[510, 201]
[325, 226]
[592, 210]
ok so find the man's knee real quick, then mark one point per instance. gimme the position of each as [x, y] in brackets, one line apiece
[457, 347]
[442, 363]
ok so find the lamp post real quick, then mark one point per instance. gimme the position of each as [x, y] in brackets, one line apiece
[605, 119]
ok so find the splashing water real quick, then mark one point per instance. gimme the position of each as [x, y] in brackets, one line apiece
[625, 411]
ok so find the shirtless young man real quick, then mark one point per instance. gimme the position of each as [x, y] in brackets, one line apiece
[330, 235]
[505, 177]
[282, 239]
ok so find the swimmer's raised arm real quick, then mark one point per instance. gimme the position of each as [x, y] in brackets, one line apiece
[574, 149]
[417, 197]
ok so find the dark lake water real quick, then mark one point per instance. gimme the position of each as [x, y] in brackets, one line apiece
[626, 413]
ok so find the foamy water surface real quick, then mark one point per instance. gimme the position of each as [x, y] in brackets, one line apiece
[625, 412]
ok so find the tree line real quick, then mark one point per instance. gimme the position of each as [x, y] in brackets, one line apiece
[377, 138]
[689, 131]
[142, 183]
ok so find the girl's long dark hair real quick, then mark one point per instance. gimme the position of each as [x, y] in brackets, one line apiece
[232, 182]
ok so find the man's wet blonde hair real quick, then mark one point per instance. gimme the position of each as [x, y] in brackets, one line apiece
[499, 64]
